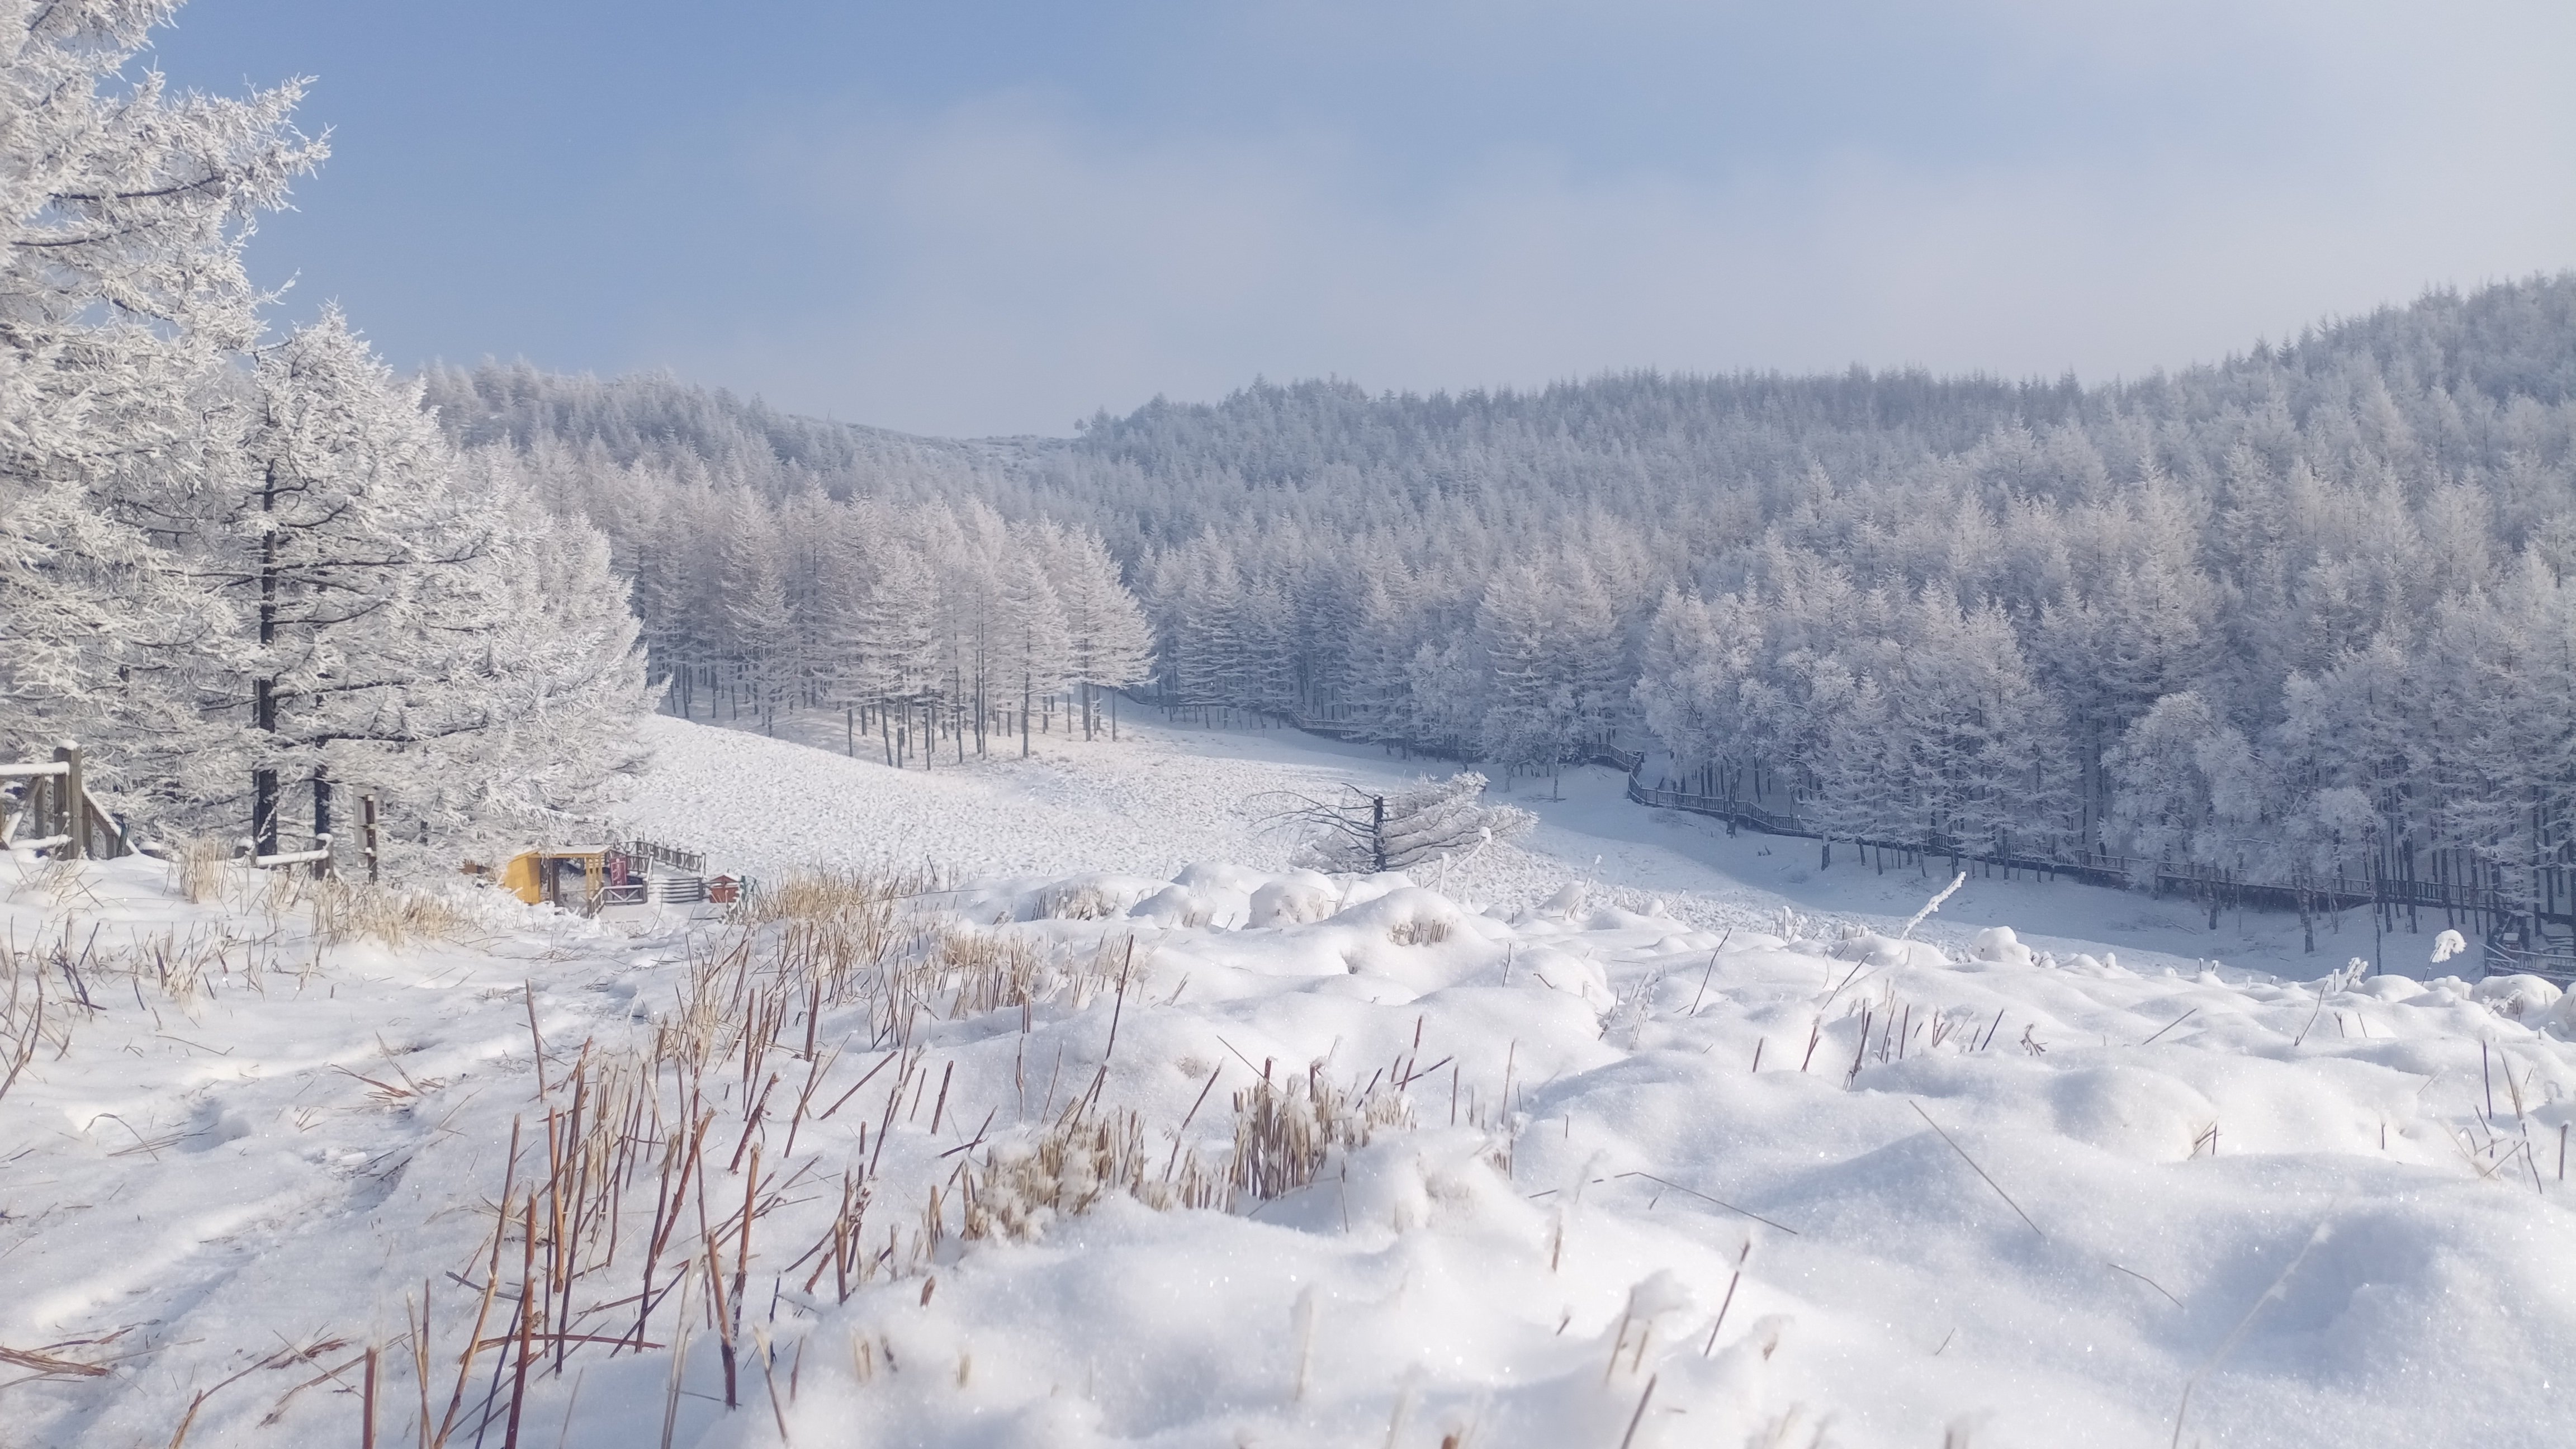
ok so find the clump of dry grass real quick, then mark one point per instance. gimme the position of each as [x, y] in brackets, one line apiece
[1078, 903]
[62, 978]
[22, 1017]
[1081, 1160]
[53, 878]
[834, 926]
[855, 899]
[984, 971]
[1284, 1135]
[198, 865]
[962, 971]
[393, 915]
[1421, 931]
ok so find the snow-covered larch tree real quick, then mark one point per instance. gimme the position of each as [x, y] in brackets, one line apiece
[1109, 644]
[122, 296]
[450, 647]
[337, 516]
[527, 731]
[1035, 646]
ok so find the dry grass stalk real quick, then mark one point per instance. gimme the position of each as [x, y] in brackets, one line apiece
[1283, 1136]
[42, 1364]
[817, 970]
[1419, 932]
[22, 1026]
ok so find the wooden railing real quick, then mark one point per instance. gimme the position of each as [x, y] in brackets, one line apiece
[689, 861]
[56, 800]
[1626, 762]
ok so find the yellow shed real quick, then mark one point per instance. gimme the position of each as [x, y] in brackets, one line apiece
[568, 878]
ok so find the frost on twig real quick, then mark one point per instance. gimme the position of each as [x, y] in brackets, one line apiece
[1933, 904]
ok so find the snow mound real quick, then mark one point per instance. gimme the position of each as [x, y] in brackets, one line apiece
[1221, 1152]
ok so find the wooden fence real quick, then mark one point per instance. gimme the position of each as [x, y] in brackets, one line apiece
[2480, 899]
[2471, 895]
[52, 799]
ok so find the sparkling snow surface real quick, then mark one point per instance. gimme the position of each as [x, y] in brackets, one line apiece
[2048, 1194]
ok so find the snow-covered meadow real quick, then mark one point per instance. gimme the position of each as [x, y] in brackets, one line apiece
[1169, 794]
[1584, 1145]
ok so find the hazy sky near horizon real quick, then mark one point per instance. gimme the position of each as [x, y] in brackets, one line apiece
[976, 218]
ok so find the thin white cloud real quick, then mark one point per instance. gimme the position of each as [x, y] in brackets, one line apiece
[1010, 264]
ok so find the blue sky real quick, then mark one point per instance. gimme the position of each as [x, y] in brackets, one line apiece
[989, 218]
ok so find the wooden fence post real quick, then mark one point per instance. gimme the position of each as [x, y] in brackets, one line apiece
[367, 823]
[72, 799]
[322, 868]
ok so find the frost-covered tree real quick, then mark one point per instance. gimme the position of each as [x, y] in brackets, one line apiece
[1034, 647]
[122, 297]
[528, 730]
[1355, 831]
[899, 658]
[1109, 644]
[244, 571]
[448, 646]
[326, 541]
[756, 632]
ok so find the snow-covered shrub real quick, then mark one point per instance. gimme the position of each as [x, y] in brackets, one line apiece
[1301, 897]
[2521, 998]
[1190, 907]
[1998, 944]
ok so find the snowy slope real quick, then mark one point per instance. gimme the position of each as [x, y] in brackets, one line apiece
[1710, 1176]
[1170, 794]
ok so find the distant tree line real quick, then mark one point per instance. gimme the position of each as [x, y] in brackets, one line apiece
[2304, 613]
[928, 624]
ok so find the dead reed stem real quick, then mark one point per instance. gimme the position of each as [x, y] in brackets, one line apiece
[1973, 1167]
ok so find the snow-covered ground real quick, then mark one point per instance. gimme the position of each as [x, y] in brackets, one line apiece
[1648, 1162]
[1167, 795]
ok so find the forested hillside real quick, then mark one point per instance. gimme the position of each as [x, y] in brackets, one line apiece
[2299, 614]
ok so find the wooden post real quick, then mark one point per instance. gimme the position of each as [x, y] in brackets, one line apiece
[367, 823]
[72, 800]
[322, 822]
